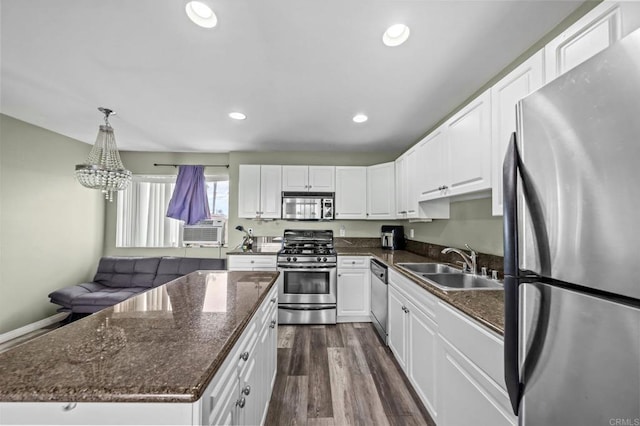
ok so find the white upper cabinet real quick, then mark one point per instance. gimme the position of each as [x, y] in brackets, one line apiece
[351, 192]
[381, 191]
[308, 178]
[322, 178]
[526, 78]
[411, 186]
[433, 158]
[469, 140]
[595, 31]
[259, 193]
[295, 178]
[401, 184]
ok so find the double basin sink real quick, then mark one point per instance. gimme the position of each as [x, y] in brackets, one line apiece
[448, 278]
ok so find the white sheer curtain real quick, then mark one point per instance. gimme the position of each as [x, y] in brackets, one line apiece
[141, 215]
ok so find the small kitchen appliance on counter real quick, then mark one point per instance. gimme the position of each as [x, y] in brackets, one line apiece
[392, 237]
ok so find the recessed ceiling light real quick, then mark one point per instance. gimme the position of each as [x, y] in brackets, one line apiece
[396, 35]
[237, 115]
[360, 118]
[201, 14]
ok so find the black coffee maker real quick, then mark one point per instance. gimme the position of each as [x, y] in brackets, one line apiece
[392, 237]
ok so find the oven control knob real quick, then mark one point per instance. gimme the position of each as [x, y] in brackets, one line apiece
[319, 259]
[288, 259]
[324, 259]
[295, 259]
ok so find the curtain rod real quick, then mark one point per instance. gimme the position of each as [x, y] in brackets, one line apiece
[176, 165]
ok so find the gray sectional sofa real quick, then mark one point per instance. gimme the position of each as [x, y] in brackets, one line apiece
[119, 278]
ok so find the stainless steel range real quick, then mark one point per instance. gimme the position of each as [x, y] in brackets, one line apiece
[308, 264]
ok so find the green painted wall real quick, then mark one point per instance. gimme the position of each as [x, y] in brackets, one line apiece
[470, 223]
[51, 228]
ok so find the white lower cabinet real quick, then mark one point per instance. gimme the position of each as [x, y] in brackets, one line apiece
[454, 364]
[471, 369]
[238, 394]
[413, 340]
[354, 292]
[247, 262]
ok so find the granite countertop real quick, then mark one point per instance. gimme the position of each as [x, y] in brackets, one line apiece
[485, 306]
[164, 345]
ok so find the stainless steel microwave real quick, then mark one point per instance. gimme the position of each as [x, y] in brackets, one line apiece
[307, 205]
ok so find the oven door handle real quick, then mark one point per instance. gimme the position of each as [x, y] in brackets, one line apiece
[309, 307]
[307, 269]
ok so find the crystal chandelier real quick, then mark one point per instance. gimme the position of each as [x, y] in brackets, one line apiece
[103, 169]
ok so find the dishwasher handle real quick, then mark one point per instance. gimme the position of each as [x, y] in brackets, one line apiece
[379, 270]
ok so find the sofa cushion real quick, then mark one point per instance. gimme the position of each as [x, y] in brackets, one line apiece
[93, 302]
[171, 268]
[65, 296]
[122, 272]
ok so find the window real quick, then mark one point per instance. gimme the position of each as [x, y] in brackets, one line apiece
[142, 208]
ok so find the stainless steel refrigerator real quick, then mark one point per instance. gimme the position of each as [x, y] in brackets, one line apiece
[572, 246]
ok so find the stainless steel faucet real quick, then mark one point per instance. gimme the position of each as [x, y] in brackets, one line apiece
[470, 260]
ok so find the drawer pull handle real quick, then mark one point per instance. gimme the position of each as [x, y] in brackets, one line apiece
[240, 403]
[273, 299]
[70, 406]
[244, 356]
[246, 390]
[273, 324]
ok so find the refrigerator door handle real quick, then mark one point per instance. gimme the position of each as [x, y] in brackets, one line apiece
[511, 295]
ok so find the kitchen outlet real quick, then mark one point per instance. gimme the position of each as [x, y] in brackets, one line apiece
[250, 231]
[411, 233]
[343, 231]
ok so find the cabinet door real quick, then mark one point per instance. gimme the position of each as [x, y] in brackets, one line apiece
[397, 327]
[322, 178]
[592, 33]
[354, 293]
[460, 382]
[469, 143]
[505, 94]
[381, 201]
[249, 409]
[248, 190]
[295, 178]
[422, 356]
[433, 172]
[401, 188]
[351, 193]
[270, 193]
[411, 186]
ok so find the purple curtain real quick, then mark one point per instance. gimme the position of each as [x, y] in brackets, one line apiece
[189, 200]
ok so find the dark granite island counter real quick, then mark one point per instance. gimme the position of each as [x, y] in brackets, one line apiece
[162, 346]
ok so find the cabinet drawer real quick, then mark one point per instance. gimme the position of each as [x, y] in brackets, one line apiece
[353, 262]
[248, 263]
[482, 346]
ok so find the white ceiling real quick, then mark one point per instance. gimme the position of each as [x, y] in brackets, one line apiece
[299, 69]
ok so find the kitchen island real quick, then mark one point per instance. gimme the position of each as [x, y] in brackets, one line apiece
[152, 358]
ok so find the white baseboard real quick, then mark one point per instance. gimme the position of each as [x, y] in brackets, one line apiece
[354, 318]
[13, 334]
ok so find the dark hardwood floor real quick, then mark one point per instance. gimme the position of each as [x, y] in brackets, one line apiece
[340, 375]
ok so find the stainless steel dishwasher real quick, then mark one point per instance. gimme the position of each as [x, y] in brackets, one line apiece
[379, 298]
